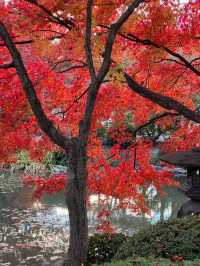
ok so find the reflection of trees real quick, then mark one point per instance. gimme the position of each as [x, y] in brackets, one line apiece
[12, 194]
[57, 199]
[161, 206]
[22, 198]
[128, 223]
[123, 219]
[170, 202]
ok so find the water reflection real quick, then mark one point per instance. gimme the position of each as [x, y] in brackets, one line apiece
[36, 233]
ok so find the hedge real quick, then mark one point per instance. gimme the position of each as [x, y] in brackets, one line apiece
[179, 237]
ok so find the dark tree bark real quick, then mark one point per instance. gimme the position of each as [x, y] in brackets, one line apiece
[76, 202]
[78, 244]
[164, 101]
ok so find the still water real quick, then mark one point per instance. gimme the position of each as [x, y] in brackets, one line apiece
[34, 233]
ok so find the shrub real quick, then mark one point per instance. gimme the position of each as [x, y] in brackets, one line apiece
[150, 262]
[176, 237]
[102, 247]
[55, 158]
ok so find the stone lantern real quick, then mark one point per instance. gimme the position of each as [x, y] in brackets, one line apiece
[191, 161]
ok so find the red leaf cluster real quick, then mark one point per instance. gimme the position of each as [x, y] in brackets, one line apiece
[51, 185]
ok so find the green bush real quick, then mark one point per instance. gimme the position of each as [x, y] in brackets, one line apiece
[150, 262]
[55, 158]
[176, 237]
[102, 247]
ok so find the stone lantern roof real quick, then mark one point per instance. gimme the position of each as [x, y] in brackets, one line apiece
[187, 159]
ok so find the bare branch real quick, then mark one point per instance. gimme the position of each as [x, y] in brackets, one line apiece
[88, 44]
[45, 124]
[164, 101]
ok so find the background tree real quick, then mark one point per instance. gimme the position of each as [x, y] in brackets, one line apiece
[67, 66]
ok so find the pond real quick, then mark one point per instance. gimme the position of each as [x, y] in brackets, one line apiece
[34, 233]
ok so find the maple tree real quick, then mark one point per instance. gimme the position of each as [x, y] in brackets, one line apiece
[68, 66]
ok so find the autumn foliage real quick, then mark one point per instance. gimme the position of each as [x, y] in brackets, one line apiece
[50, 36]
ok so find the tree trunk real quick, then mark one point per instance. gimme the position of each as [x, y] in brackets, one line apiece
[76, 203]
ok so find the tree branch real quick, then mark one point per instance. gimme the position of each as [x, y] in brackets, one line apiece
[113, 30]
[72, 68]
[194, 60]
[6, 66]
[164, 101]
[31, 41]
[186, 63]
[18, 42]
[169, 60]
[88, 44]
[45, 124]
[67, 60]
[149, 122]
[68, 23]
[94, 86]
[74, 101]
[154, 119]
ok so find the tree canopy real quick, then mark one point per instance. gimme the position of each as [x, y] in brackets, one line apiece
[67, 67]
[155, 58]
